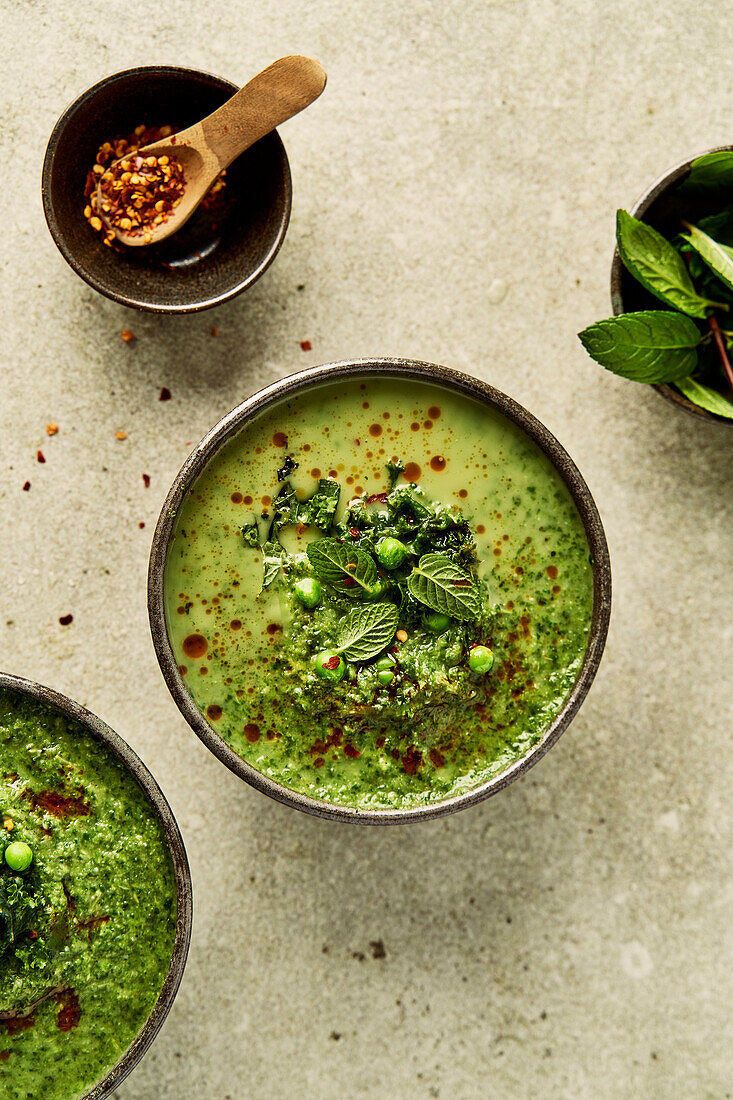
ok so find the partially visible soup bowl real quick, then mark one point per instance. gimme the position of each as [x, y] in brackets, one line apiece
[72, 717]
[215, 471]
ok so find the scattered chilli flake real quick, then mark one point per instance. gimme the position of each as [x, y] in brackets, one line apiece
[120, 435]
[305, 345]
[146, 480]
[26, 486]
[52, 429]
[39, 456]
[165, 394]
[141, 524]
[66, 619]
[214, 330]
[127, 335]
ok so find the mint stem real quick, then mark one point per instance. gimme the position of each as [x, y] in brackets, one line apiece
[718, 337]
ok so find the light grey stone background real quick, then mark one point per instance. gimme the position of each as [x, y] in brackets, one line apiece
[454, 191]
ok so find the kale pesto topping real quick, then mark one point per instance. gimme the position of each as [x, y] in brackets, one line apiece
[374, 585]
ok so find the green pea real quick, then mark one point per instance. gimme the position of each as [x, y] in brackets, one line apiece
[18, 856]
[385, 676]
[385, 664]
[437, 621]
[330, 665]
[308, 591]
[453, 654]
[377, 590]
[391, 553]
[480, 659]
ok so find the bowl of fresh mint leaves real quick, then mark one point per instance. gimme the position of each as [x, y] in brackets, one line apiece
[672, 289]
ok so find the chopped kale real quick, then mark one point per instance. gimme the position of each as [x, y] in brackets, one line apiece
[287, 468]
[18, 907]
[394, 469]
[320, 509]
[251, 534]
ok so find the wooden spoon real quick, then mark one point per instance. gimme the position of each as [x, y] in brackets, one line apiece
[207, 148]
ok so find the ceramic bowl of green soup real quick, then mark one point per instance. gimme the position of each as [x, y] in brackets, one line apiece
[95, 900]
[379, 590]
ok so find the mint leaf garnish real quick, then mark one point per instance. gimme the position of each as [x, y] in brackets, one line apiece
[705, 398]
[367, 630]
[650, 346]
[658, 266]
[710, 171]
[438, 583]
[718, 257]
[351, 571]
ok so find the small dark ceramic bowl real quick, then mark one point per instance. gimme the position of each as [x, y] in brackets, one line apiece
[162, 810]
[219, 252]
[409, 371]
[663, 208]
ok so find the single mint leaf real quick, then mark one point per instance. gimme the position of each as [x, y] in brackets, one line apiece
[705, 398]
[443, 586]
[367, 630]
[650, 346]
[351, 571]
[394, 469]
[709, 171]
[320, 508]
[657, 265]
[718, 257]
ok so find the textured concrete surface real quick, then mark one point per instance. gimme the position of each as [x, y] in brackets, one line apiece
[454, 193]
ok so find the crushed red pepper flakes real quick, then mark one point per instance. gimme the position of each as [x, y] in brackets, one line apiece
[141, 524]
[214, 330]
[40, 457]
[146, 480]
[66, 619]
[51, 428]
[165, 394]
[305, 345]
[127, 335]
[120, 435]
[26, 486]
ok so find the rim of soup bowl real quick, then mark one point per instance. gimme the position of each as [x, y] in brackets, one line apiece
[184, 891]
[448, 378]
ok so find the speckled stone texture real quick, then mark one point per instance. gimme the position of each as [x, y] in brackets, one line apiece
[454, 192]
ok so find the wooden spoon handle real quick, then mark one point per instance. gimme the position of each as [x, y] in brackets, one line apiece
[274, 95]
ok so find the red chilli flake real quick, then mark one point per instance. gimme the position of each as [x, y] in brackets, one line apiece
[26, 487]
[351, 750]
[382, 497]
[165, 394]
[66, 619]
[305, 345]
[332, 662]
[69, 1013]
[349, 582]
[40, 457]
[146, 480]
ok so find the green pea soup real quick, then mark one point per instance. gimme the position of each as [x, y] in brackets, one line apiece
[533, 561]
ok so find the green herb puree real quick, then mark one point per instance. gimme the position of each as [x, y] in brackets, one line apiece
[87, 930]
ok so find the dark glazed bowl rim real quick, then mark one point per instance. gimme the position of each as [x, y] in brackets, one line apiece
[132, 762]
[57, 231]
[663, 183]
[228, 426]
